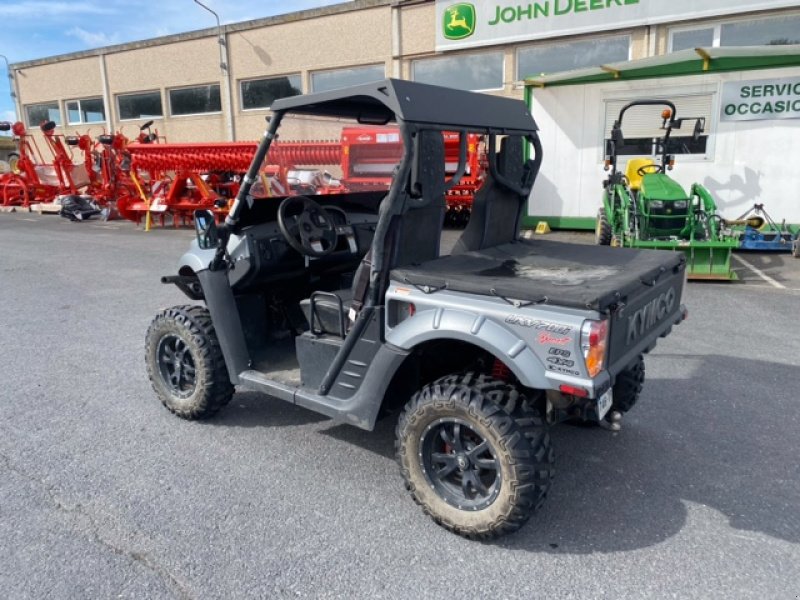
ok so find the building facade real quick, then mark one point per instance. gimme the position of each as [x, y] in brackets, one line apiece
[217, 84]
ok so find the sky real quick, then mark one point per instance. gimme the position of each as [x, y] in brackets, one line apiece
[40, 28]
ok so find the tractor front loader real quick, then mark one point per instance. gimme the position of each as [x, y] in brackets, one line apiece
[643, 207]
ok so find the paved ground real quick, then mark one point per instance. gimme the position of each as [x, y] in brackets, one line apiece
[104, 494]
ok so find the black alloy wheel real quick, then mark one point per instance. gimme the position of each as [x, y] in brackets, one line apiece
[176, 365]
[460, 464]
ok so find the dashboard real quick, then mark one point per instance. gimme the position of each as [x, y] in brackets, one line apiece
[261, 255]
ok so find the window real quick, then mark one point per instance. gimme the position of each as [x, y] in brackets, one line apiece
[775, 31]
[195, 100]
[261, 93]
[692, 38]
[89, 110]
[39, 113]
[143, 105]
[323, 81]
[555, 58]
[463, 71]
[641, 126]
[772, 32]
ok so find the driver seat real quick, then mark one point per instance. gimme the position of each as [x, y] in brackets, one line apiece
[413, 237]
[632, 172]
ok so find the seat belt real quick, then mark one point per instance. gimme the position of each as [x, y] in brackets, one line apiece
[360, 286]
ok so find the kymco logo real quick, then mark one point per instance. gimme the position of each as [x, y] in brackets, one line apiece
[459, 21]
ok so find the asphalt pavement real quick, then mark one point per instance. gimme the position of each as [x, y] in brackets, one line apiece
[103, 493]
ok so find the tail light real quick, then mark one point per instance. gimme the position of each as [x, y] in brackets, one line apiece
[594, 341]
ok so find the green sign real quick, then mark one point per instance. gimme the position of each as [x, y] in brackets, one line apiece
[459, 21]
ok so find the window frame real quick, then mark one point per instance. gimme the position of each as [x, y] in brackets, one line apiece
[80, 111]
[58, 106]
[172, 115]
[298, 74]
[440, 57]
[563, 41]
[139, 93]
[311, 74]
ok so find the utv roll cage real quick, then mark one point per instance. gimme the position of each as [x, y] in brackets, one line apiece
[414, 108]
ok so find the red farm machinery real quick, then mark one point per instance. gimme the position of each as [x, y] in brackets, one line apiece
[169, 181]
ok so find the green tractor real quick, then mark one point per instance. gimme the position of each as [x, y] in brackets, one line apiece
[643, 207]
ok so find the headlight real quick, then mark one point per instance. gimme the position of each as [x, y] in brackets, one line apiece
[656, 204]
[680, 204]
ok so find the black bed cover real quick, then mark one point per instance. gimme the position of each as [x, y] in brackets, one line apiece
[557, 273]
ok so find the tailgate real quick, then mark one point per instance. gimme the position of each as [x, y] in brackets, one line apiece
[645, 317]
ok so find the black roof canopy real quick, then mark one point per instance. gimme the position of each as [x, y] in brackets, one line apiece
[389, 99]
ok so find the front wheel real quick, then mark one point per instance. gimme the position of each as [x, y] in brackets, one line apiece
[475, 455]
[602, 231]
[185, 362]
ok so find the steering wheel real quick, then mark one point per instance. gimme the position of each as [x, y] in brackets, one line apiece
[653, 168]
[306, 226]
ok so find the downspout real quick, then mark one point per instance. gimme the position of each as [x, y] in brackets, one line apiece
[226, 70]
[110, 116]
[397, 45]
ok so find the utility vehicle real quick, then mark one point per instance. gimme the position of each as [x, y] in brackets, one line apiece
[643, 207]
[349, 310]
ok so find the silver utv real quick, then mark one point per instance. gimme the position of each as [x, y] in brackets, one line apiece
[343, 305]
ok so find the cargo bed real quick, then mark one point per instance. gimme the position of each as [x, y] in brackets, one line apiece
[543, 272]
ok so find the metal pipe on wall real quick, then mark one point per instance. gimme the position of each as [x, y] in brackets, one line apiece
[225, 70]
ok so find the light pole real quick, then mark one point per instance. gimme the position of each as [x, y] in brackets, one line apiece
[11, 91]
[223, 67]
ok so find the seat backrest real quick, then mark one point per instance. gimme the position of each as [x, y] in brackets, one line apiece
[416, 235]
[632, 172]
[496, 210]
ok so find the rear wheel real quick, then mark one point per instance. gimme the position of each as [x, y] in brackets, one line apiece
[185, 362]
[628, 386]
[475, 455]
[602, 231]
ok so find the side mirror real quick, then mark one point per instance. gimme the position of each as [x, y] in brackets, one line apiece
[698, 129]
[616, 136]
[205, 225]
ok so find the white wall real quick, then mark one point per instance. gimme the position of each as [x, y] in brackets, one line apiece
[747, 162]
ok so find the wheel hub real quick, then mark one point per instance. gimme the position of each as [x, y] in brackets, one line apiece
[460, 464]
[176, 365]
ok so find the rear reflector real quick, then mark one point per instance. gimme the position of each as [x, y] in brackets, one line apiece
[573, 391]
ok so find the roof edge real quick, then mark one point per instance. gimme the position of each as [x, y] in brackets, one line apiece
[344, 6]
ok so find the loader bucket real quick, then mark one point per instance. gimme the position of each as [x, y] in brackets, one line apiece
[704, 259]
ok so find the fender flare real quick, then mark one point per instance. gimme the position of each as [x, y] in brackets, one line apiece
[476, 329]
[196, 260]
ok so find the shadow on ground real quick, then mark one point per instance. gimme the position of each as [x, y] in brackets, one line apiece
[687, 441]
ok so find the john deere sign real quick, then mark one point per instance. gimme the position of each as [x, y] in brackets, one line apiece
[760, 100]
[459, 21]
[486, 22]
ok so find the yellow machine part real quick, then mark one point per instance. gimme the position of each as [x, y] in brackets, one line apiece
[632, 171]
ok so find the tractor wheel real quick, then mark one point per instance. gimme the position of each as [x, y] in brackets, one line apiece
[185, 363]
[796, 248]
[13, 162]
[602, 231]
[628, 387]
[475, 455]
[15, 192]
